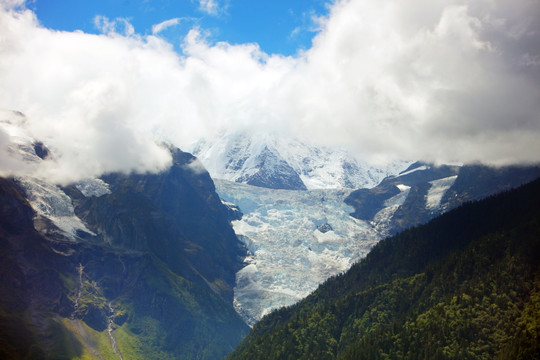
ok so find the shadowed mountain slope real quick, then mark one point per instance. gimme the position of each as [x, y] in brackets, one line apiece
[149, 276]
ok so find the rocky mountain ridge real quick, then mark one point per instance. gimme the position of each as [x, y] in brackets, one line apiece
[148, 265]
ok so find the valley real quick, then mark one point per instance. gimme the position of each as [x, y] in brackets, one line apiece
[462, 286]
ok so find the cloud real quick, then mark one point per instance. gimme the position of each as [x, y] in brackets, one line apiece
[196, 166]
[441, 81]
[116, 26]
[450, 80]
[12, 4]
[311, 23]
[211, 7]
[156, 29]
[91, 99]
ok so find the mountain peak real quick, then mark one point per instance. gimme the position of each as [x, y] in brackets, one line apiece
[280, 162]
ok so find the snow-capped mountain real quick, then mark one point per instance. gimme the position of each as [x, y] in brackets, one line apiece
[278, 162]
[297, 221]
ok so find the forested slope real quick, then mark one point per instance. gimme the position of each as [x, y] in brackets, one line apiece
[464, 286]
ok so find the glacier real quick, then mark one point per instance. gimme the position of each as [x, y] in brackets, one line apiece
[93, 187]
[296, 239]
[381, 220]
[295, 225]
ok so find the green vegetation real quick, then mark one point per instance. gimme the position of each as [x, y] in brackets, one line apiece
[171, 317]
[80, 341]
[464, 286]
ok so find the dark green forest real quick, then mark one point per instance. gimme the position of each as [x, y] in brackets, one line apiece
[464, 286]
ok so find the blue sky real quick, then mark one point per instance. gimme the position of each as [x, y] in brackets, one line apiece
[278, 26]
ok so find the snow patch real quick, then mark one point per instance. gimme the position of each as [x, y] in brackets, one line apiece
[437, 190]
[420, 168]
[93, 187]
[52, 203]
[237, 156]
[403, 187]
[399, 199]
[381, 220]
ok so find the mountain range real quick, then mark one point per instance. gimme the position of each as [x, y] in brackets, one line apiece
[177, 264]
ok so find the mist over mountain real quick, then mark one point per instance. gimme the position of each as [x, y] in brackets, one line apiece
[116, 244]
[453, 80]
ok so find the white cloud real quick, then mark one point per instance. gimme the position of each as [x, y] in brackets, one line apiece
[196, 166]
[311, 23]
[156, 29]
[294, 33]
[12, 4]
[116, 26]
[447, 80]
[437, 82]
[209, 6]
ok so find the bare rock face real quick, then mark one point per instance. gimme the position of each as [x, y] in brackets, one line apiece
[324, 228]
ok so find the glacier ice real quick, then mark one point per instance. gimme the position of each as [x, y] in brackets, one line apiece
[381, 220]
[296, 239]
[47, 200]
[289, 255]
